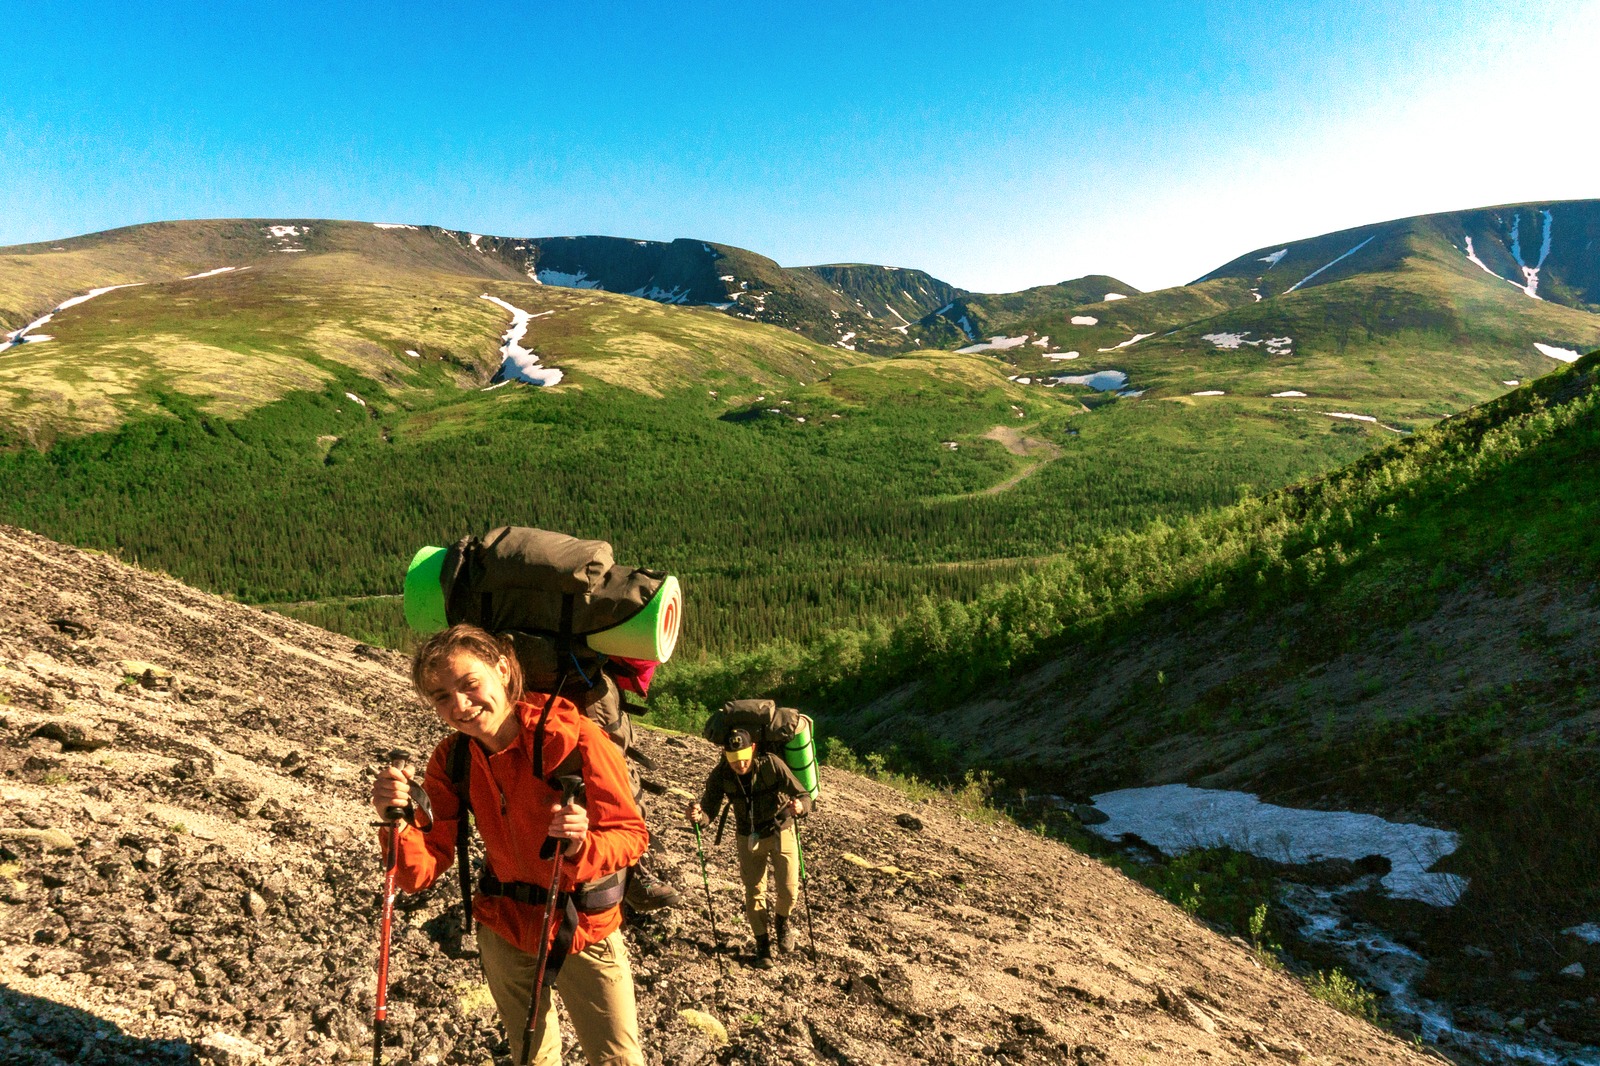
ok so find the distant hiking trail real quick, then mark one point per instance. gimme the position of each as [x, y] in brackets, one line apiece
[1017, 444]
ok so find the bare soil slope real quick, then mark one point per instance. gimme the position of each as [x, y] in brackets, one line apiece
[188, 871]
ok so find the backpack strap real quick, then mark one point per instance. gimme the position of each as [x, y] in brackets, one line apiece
[461, 781]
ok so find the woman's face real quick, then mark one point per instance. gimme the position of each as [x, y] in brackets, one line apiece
[469, 696]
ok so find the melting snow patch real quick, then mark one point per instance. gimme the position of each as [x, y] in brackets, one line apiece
[210, 273]
[657, 293]
[1042, 342]
[356, 398]
[1135, 339]
[1472, 255]
[519, 363]
[1278, 345]
[1272, 260]
[1209, 392]
[1566, 355]
[1229, 341]
[380, 225]
[412, 354]
[1100, 380]
[1589, 931]
[1115, 296]
[1063, 355]
[1325, 266]
[580, 280]
[291, 231]
[1291, 392]
[1024, 381]
[476, 237]
[1085, 320]
[1177, 818]
[1347, 414]
[1513, 382]
[20, 336]
[993, 344]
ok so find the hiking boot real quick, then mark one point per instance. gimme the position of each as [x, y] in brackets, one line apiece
[647, 892]
[764, 952]
[785, 933]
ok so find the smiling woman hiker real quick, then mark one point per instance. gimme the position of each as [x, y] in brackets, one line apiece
[515, 754]
[766, 797]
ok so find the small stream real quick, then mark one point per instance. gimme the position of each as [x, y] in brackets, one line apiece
[1176, 818]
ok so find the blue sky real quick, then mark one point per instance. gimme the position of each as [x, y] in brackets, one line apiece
[995, 145]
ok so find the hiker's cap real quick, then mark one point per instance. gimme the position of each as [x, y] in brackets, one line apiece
[738, 746]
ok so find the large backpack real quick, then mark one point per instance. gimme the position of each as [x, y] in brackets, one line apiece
[782, 731]
[547, 593]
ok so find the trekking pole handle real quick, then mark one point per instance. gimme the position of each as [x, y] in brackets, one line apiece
[398, 760]
[571, 792]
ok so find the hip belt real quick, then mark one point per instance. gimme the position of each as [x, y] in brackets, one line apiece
[591, 897]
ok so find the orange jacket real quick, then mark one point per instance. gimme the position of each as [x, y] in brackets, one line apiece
[512, 808]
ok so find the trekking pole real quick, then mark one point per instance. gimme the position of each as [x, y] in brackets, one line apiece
[393, 820]
[811, 930]
[570, 787]
[711, 910]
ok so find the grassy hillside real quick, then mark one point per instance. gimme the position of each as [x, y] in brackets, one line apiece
[303, 309]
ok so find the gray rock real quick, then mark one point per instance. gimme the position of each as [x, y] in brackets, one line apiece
[1090, 815]
[225, 1049]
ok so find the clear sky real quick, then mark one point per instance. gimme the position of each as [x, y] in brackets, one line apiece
[996, 145]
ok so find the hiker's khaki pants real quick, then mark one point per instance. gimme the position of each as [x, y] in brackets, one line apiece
[596, 987]
[780, 850]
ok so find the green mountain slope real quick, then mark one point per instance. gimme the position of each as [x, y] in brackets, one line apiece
[1413, 636]
[1390, 325]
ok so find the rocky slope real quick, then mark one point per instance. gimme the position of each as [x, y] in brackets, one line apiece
[187, 869]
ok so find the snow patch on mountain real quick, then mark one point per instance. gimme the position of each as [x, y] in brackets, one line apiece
[1209, 392]
[380, 225]
[1291, 392]
[1473, 256]
[518, 363]
[1325, 266]
[993, 344]
[211, 273]
[1530, 274]
[1178, 818]
[1272, 260]
[1226, 341]
[20, 336]
[1135, 339]
[1114, 296]
[655, 292]
[1085, 320]
[1566, 355]
[580, 280]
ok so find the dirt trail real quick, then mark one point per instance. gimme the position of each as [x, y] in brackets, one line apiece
[1018, 444]
[188, 869]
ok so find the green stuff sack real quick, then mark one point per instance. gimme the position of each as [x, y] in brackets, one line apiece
[800, 752]
[424, 598]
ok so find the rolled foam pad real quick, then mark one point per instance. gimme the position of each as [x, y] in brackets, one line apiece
[651, 634]
[424, 598]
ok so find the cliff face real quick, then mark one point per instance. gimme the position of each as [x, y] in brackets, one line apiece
[187, 869]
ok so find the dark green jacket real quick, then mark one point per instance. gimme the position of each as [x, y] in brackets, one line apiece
[756, 796]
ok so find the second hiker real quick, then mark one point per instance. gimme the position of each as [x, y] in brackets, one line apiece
[766, 797]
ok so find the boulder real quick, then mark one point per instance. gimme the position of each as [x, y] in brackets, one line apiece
[225, 1049]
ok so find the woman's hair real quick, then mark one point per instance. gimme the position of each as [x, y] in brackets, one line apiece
[471, 640]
